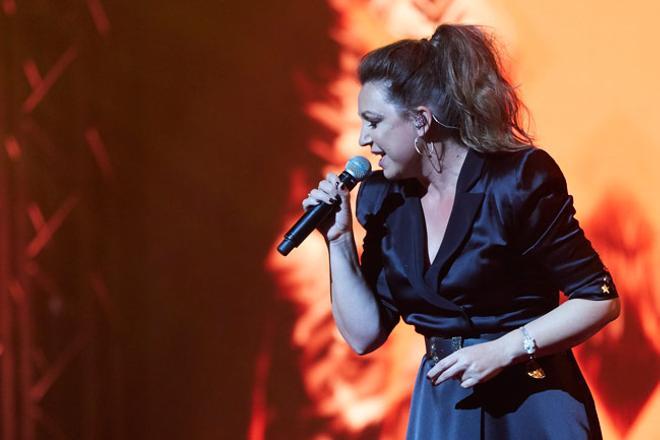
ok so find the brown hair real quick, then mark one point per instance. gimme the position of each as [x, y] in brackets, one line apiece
[458, 74]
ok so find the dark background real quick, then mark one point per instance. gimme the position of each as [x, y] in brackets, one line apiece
[216, 124]
[197, 106]
[148, 313]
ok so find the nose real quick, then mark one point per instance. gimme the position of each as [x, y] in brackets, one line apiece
[365, 139]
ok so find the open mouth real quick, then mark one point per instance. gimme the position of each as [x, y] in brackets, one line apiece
[382, 156]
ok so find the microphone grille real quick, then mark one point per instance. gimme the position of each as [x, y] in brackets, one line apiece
[358, 167]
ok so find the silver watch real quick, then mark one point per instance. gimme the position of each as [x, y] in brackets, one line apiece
[529, 343]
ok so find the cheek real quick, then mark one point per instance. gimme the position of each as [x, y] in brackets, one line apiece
[403, 149]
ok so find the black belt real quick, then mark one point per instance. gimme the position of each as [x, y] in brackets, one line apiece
[438, 347]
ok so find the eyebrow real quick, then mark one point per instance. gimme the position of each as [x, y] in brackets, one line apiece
[369, 114]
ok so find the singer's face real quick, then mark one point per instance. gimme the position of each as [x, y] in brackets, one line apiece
[388, 133]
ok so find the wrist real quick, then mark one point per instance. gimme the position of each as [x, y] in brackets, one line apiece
[512, 346]
[341, 239]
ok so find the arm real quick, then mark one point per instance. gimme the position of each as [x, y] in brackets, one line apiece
[571, 323]
[547, 235]
[355, 308]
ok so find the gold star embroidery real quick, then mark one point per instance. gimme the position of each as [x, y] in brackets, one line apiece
[605, 288]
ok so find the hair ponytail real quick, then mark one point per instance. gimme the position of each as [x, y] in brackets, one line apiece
[458, 74]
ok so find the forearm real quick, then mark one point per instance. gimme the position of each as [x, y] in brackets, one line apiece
[571, 323]
[354, 306]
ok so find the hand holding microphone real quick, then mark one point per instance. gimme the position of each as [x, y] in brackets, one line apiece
[330, 198]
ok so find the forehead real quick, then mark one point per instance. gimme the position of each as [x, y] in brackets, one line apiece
[374, 97]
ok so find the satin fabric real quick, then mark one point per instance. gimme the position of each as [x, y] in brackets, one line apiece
[511, 406]
[512, 243]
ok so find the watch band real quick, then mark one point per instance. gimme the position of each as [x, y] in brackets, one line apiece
[534, 369]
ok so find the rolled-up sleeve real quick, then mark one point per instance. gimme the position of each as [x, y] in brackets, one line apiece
[369, 200]
[547, 231]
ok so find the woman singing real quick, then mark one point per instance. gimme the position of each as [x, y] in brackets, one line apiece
[470, 237]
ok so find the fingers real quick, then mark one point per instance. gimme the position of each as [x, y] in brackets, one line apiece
[337, 184]
[455, 366]
[469, 382]
[455, 371]
[328, 188]
[328, 191]
[441, 366]
[322, 196]
[471, 366]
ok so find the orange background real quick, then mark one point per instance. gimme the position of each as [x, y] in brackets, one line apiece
[585, 72]
[154, 151]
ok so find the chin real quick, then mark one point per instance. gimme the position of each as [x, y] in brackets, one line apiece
[390, 174]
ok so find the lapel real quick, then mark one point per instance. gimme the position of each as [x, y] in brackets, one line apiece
[466, 206]
[411, 248]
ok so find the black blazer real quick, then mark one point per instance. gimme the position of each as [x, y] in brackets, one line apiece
[511, 244]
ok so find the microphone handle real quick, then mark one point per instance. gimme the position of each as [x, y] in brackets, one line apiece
[311, 219]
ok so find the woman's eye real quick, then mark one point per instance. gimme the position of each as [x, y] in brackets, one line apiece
[372, 124]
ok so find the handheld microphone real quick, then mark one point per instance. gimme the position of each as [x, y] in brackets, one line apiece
[356, 170]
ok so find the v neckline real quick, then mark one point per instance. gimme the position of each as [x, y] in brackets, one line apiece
[422, 250]
[421, 243]
[411, 246]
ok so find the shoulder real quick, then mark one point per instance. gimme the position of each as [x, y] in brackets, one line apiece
[523, 164]
[371, 194]
[527, 172]
[526, 187]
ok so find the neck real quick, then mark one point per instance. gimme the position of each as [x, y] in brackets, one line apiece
[454, 156]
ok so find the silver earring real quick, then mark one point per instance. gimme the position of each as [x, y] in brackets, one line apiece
[427, 149]
[420, 146]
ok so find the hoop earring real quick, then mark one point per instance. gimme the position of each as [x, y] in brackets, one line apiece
[427, 149]
[420, 146]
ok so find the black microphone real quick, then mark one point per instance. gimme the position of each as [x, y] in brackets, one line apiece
[356, 170]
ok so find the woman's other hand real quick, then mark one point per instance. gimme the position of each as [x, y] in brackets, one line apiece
[471, 365]
[339, 222]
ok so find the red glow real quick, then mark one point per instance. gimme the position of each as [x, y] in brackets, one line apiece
[13, 148]
[55, 369]
[99, 17]
[45, 233]
[260, 411]
[36, 216]
[103, 297]
[42, 87]
[9, 6]
[97, 147]
[626, 241]
[32, 73]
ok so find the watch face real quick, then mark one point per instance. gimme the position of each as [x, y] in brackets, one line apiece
[529, 346]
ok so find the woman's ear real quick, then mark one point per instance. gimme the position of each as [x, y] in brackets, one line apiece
[422, 117]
